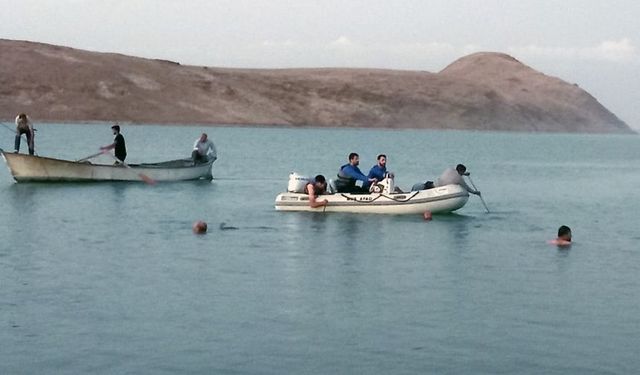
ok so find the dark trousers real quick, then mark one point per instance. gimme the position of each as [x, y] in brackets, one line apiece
[29, 140]
[351, 188]
[197, 158]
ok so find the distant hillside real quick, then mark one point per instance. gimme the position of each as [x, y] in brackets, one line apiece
[483, 91]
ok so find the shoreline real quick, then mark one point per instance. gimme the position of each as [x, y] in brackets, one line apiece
[309, 126]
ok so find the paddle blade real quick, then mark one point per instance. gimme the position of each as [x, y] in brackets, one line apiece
[148, 180]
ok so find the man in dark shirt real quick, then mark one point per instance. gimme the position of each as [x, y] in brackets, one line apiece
[120, 150]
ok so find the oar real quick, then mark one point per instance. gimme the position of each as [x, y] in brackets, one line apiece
[479, 195]
[143, 176]
[90, 157]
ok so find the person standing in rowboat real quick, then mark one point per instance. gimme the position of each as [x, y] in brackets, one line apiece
[118, 145]
[24, 126]
[349, 174]
[203, 150]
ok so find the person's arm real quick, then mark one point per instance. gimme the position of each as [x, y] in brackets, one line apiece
[560, 242]
[313, 202]
[213, 154]
[471, 190]
[355, 173]
[376, 172]
[108, 147]
[32, 131]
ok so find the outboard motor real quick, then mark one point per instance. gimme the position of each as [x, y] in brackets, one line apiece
[297, 183]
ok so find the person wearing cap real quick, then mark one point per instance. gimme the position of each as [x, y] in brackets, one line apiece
[203, 150]
[118, 145]
[24, 126]
[452, 176]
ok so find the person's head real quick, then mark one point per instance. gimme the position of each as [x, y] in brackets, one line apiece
[382, 160]
[115, 129]
[564, 233]
[203, 137]
[320, 184]
[461, 169]
[354, 159]
[199, 227]
[22, 116]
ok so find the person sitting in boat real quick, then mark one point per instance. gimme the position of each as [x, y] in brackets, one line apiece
[118, 145]
[452, 176]
[379, 171]
[203, 150]
[349, 174]
[316, 186]
[24, 126]
[564, 237]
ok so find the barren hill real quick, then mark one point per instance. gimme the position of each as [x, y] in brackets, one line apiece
[485, 91]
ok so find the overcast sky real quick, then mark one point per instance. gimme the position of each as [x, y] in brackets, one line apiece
[591, 43]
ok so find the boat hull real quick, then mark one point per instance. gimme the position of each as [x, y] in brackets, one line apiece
[27, 168]
[437, 200]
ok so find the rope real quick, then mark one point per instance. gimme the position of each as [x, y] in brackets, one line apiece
[381, 195]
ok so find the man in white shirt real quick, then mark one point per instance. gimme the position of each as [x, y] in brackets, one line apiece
[454, 177]
[203, 150]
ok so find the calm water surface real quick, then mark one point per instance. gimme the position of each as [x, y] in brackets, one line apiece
[108, 278]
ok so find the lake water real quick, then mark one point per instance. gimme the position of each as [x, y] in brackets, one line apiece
[108, 278]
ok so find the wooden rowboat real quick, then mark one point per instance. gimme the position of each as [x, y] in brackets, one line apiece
[28, 168]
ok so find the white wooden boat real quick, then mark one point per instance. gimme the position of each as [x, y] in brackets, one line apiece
[388, 201]
[28, 168]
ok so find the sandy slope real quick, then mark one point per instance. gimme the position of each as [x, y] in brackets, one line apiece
[485, 91]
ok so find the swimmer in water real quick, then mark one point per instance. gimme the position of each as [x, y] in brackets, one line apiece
[564, 237]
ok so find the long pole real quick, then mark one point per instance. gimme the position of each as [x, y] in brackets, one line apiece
[90, 157]
[479, 195]
[148, 180]
[7, 127]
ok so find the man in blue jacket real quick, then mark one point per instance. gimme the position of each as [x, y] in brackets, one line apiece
[379, 171]
[349, 174]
